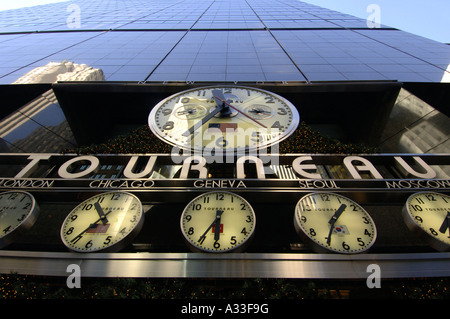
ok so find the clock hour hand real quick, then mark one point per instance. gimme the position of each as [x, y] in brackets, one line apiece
[218, 215]
[446, 224]
[333, 220]
[204, 119]
[217, 225]
[101, 213]
[221, 102]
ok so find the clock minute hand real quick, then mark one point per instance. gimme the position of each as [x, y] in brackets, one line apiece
[333, 220]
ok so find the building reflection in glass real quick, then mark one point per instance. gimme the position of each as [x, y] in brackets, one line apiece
[38, 127]
[415, 127]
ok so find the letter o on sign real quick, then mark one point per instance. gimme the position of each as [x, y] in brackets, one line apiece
[91, 162]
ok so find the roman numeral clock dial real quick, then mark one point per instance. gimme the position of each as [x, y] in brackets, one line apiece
[223, 119]
[218, 222]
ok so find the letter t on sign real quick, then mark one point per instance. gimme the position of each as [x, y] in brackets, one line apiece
[32, 166]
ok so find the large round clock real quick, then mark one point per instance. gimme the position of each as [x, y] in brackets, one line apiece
[223, 119]
[106, 222]
[218, 222]
[334, 223]
[18, 213]
[427, 214]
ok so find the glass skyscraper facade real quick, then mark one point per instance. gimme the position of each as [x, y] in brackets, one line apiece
[236, 41]
[215, 41]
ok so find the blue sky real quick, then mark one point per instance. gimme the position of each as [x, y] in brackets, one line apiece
[9, 4]
[425, 18]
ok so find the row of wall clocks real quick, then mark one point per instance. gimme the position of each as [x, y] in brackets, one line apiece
[221, 221]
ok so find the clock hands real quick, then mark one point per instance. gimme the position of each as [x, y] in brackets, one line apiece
[101, 213]
[333, 220]
[446, 224]
[93, 225]
[217, 226]
[216, 222]
[205, 119]
[220, 100]
[223, 107]
[251, 118]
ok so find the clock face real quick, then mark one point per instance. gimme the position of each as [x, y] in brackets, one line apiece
[223, 119]
[105, 222]
[18, 212]
[428, 214]
[218, 222]
[334, 223]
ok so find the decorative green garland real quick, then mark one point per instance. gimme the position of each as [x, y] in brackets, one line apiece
[303, 140]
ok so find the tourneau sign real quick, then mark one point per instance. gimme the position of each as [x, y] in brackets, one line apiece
[247, 173]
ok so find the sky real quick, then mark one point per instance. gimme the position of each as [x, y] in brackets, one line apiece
[429, 19]
[9, 4]
[425, 18]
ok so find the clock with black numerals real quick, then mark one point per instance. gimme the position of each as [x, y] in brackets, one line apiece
[106, 222]
[218, 222]
[18, 213]
[334, 223]
[223, 119]
[427, 214]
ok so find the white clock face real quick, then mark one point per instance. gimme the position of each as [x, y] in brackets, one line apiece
[218, 222]
[332, 222]
[105, 222]
[18, 211]
[429, 213]
[223, 119]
